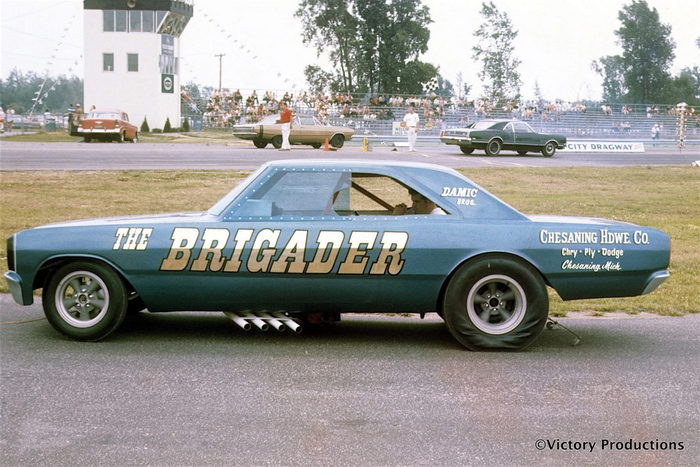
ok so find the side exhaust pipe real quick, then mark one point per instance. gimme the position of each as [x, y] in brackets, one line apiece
[260, 324]
[241, 322]
[274, 322]
[289, 322]
[263, 320]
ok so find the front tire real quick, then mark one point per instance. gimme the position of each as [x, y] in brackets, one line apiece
[493, 148]
[120, 137]
[466, 150]
[277, 141]
[549, 149]
[495, 303]
[85, 301]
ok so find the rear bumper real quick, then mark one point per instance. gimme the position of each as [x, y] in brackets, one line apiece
[98, 131]
[245, 135]
[14, 283]
[458, 140]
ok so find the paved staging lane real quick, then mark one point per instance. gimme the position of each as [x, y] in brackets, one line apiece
[193, 389]
[99, 156]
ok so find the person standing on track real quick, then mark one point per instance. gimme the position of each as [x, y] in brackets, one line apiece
[411, 120]
[286, 121]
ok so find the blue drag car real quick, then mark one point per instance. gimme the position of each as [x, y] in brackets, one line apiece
[308, 238]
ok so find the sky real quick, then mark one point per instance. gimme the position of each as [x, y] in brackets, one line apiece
[261, 39]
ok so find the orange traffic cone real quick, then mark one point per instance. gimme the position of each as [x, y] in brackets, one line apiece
[325, 145]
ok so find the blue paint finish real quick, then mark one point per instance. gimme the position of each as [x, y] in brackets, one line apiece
[271, 246]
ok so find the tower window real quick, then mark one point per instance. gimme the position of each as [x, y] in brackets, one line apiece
[108, 20]
[107, 62]
[132, 62]
[148, 21]
[120, 20]
[135, 21]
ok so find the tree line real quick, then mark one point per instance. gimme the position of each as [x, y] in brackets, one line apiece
[375, 48]
[641, 72]
[57, 95]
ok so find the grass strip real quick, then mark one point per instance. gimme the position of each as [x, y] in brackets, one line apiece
[667, 198]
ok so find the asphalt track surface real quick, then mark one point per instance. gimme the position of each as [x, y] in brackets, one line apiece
[193, 389]
[102, 156]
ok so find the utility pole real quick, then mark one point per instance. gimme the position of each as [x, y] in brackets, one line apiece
[220, 56]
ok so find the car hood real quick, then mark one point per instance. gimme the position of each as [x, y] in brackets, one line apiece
[120, 220]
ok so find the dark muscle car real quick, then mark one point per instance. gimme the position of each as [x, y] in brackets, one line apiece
[495, 135]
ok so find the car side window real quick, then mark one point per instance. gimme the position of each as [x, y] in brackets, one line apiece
[372, 195]
[523, 128]
[509, 128]
[294, 193]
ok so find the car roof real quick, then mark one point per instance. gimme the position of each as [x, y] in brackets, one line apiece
[106, 111]
[355, 164]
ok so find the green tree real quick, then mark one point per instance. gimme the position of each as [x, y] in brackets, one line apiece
[330, 26]
[319, 81]
[684, 88]
[647, 52]
[392, 35]
[54, 93]
[611, 69]
[370, 42]
[495, 51]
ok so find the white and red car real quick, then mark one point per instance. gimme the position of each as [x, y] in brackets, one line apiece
[107, 125]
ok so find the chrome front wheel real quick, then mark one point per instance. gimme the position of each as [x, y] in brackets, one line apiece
[82, 299]
[85, 300]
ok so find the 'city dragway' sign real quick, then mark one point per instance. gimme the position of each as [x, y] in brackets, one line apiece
[603, 146]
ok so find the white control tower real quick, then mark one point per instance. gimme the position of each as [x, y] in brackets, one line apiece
[131, 56]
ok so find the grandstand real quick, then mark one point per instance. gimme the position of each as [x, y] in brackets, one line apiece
[378, 115]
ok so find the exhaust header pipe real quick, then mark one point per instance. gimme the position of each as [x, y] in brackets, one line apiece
[241, 322]
[263, 320]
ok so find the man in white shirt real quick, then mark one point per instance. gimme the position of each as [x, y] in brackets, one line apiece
[411, 121]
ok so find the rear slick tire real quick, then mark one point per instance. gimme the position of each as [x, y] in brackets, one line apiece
[495, 303]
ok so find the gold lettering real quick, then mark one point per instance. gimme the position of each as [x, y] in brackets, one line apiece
[329, 243]
[393, 244]
[357, 251]
[259, 260]
[210, 254]
[292, 258]
[184, 239]
[242, 237]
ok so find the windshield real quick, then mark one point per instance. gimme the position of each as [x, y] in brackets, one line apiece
[104, 115]
[483, 125]
[219, 207]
